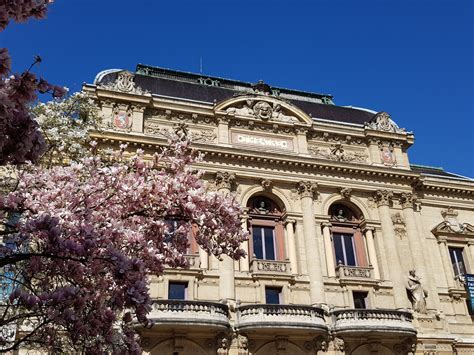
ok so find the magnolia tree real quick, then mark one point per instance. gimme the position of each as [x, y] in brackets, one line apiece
[88, 235]
[20, 137]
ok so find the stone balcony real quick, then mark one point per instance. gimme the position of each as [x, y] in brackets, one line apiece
[285, 318]
[177, 314]
[362, 321]
[270, 267]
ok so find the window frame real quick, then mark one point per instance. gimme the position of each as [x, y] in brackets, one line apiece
[279, 290]
[186, 290]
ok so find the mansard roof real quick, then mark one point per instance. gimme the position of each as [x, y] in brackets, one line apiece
[437, 172]
[199, 87]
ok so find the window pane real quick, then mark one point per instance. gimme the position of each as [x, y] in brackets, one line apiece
[457, 260]
[338, 248]
[269, 244]
[177, 290]
[272, 295]
[360, 300]
[257, 242]
[349, 247]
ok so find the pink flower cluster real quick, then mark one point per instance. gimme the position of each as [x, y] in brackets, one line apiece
[91, 233]
[21, 10]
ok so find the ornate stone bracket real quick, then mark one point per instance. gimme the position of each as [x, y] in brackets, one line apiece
[225, 180]
[408, 199]
[266, 184]
[345, 192]
[383, 197]
[319, 343]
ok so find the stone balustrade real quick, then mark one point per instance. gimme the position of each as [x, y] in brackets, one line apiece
[270, 267]
[347, 272]
[189, 313]
[358, 321]
[265, 316]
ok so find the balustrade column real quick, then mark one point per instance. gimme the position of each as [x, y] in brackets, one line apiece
[244, 262]
[330, 262]
[224, 182]
[383, 198]
[448, 268]
[369, 238]
[307, 191]
[291, 243]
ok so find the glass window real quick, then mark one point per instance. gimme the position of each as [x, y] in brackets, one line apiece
[272, 295]
[344, 248]
[360, 300]
[457, 260]
[264, 242]
[177, 290]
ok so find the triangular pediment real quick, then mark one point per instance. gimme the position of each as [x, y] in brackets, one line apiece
[263, 107]
[447, 228]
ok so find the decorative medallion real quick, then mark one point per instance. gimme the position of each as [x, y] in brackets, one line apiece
[122, 120]
[387, 155]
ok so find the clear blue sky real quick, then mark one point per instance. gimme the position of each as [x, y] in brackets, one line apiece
[413, 59]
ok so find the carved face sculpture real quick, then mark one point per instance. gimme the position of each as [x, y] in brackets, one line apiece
[263, 110]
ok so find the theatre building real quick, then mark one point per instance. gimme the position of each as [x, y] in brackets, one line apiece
[352, 249]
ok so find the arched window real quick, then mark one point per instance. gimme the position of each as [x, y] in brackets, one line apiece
[348, 243]
[266, 229]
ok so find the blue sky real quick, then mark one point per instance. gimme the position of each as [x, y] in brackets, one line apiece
[413, 59]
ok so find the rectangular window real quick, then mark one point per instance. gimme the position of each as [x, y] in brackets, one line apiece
[360, 300]
[177, 290]
[344, 248]
[273, 295]
[457, 260]
[264, 242]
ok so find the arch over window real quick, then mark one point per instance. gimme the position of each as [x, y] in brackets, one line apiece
[266, 228]
[348, 243]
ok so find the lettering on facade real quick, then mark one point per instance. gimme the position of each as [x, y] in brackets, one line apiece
[262, 141]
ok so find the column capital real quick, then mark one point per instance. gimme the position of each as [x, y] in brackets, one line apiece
[290, 221]
[224, 180]
[442, 239]
[326, 224]
[383, 197]
[307, 188]
[407, 199]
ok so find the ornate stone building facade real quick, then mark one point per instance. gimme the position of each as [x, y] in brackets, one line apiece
[353, 250]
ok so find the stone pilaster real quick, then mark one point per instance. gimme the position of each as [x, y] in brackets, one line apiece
[245, 261]
[383, 198]
[307, 191]
[369, 239]
[137, 122]
[407, 201]
[448, 269]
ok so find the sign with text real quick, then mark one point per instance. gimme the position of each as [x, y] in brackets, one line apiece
[266, 142]
[469, 278]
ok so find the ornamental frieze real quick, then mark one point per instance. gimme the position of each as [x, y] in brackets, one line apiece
[261, 109]
[337, 153]
[196, 135]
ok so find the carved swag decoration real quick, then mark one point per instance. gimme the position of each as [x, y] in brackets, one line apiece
[337, 153]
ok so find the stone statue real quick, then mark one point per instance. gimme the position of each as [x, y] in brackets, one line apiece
[416, 294]
[340, 216]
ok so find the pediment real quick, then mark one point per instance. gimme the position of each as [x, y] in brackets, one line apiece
[265, 108]
[449, 228]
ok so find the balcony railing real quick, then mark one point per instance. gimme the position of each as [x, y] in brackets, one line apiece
[372, 320]
[347, 272]
[270, 267]
[261, 316]
[177, 312]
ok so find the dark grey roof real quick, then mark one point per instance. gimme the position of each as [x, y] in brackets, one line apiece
[437, 172]
[191, 86]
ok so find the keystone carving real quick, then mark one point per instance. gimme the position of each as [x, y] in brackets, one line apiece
[266, 184]
[225, 180]
[383, 197]
[266, 111]
[307, 189]
[407, 200]
[345, 192]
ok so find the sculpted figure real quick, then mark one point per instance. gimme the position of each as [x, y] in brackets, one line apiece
[416, 293]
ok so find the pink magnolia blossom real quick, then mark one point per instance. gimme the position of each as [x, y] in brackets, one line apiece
[90, 233]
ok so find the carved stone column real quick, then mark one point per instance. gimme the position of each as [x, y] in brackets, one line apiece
[224, 182]
[369, 239]
[448, 269]
[245, 261]
[307, 190]
[407, 201]
[383, 198]
[330, 262]
[291, 243]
